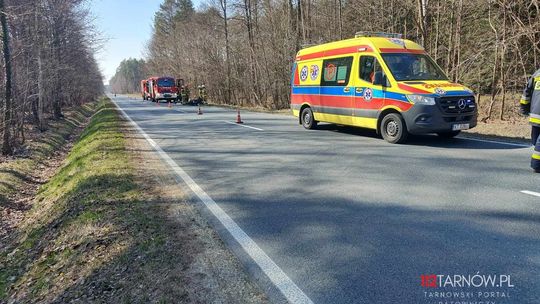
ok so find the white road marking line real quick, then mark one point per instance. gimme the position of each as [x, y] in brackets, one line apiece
[242, 125]
[496, 142]
[285, 285]
[530, 193]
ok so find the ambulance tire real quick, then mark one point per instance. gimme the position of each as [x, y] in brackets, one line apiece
[393, 129]
[450, 134]
[307, 119]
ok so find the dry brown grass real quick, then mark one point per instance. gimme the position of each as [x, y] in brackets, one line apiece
[512, 126]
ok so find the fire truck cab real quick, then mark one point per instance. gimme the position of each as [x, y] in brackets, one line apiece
[162, 88]
[382, 82]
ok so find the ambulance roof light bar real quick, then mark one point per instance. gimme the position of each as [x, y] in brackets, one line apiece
[378, 34]
[306, 45]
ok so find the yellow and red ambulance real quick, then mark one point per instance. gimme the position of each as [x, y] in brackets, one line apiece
[382, 82]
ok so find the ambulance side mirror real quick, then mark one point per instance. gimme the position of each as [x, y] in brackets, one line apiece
[380, 79]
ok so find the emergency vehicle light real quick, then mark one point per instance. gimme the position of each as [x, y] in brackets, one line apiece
[378, 34]
[306, 45]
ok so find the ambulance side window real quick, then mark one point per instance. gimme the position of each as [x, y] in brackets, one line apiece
[337, 71]
[370, 69]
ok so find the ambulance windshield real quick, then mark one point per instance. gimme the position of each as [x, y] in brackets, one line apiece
[405, 67]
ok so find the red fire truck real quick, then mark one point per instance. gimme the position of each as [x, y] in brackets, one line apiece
[162, 88]
[144, 89]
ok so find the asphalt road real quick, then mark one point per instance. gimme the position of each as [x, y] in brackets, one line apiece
[352, 219]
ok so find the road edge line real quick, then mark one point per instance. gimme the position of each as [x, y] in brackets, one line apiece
[530, 193]
[275, 274]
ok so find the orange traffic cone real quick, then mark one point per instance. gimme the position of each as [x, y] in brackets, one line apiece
[199, 112]
[238, 118]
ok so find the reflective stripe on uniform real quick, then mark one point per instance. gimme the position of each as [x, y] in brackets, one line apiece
[535, 118]
[536, 155]
[525, 100]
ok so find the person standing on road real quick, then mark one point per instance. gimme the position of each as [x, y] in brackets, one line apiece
[202, 94]
[186, 90]
[183, 95]
[530, 105]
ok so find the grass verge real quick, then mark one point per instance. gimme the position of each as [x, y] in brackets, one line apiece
[68, 214]
[15, 172]
[100, 232]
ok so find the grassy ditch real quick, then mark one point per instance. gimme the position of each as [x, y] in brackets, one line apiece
[100, 232]
[15, 172]
[89, 204]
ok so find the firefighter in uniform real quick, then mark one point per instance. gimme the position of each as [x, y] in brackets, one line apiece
[183, 94]
[202, 93]
[187, 93]
[530, 105]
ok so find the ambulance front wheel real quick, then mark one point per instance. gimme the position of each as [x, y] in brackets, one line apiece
[393, 129]
[308, 121]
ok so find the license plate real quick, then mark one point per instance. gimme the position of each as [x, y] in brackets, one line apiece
[167, 95]
[457, 127]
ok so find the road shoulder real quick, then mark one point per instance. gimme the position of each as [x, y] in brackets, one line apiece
[113, 226]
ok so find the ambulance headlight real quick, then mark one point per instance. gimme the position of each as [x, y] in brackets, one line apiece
[421, 99]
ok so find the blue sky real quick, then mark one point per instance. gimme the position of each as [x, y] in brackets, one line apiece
[127, 27]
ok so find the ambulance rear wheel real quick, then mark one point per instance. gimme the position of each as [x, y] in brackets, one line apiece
[393, 129]
[308, 121]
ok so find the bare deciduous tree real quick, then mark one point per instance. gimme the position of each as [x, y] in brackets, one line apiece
[244, 49]
[48, 58]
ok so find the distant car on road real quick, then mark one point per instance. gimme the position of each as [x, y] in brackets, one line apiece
[382, 82]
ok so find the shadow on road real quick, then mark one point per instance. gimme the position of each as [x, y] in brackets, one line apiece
[430, 140]
[347, 251]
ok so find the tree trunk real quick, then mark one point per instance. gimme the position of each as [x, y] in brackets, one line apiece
[300, 23]
[7, 148]
[227, 50]
[494, 75]
[57, 48]
[457, 43]
[254, 79]
[340, 18]
[503, 57]
[449, 65]
[437, 31]
[41, 94]
[422, 22]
